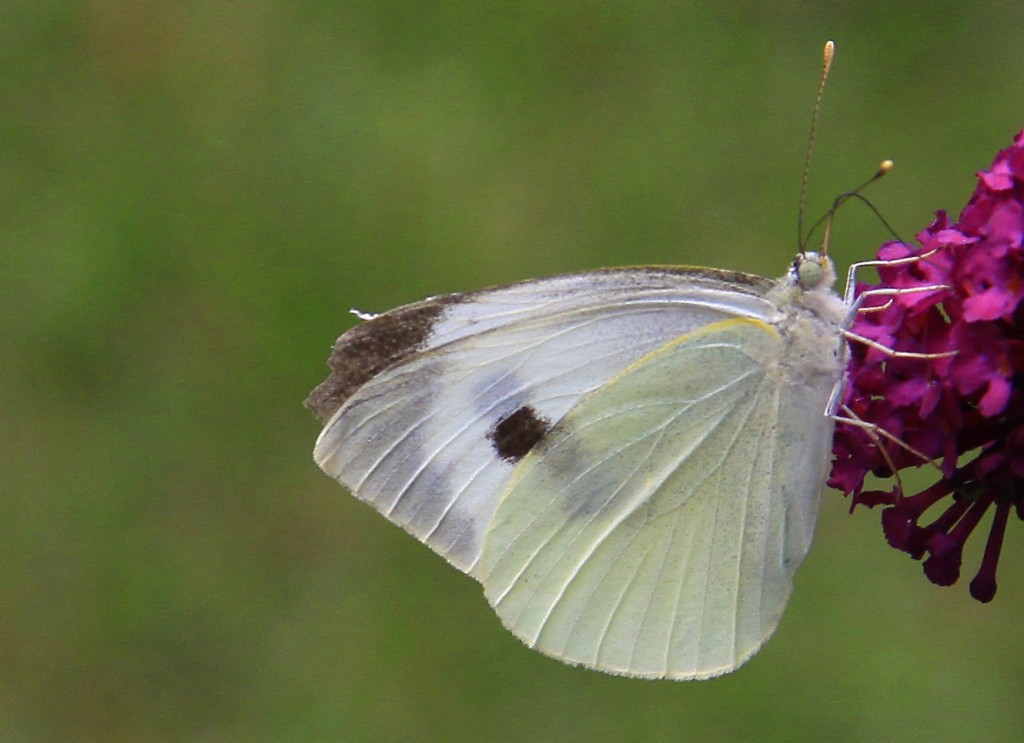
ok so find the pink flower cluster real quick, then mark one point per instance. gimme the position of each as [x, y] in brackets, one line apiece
[964, 412]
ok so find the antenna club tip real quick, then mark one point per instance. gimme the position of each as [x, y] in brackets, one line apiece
[885, 167]
[830, 51]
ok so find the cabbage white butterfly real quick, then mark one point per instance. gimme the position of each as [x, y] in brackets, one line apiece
[629, 460]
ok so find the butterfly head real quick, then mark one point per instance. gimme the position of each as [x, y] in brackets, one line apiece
[812, 270]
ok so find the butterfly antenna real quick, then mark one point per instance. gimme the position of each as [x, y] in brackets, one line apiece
[830, 50]
[883, 168]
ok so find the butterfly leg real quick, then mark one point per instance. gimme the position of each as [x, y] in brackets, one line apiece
[851, 275]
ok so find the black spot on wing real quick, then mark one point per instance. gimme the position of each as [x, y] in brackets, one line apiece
[517, 433]
[368, 349]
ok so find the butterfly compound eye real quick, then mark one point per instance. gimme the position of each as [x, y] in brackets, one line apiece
[809, 271]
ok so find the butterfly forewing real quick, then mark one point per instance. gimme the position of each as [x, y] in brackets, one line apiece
[432, 405]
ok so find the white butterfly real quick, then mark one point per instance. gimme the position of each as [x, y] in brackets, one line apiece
[629, 460]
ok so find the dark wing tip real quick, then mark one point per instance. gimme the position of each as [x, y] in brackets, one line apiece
[371, 347]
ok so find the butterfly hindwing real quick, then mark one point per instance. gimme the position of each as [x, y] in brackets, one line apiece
[654, 532]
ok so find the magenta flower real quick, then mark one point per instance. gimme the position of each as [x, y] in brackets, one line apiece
[964, 412]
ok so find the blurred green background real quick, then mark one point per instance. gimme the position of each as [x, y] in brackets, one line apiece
[192, 196]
